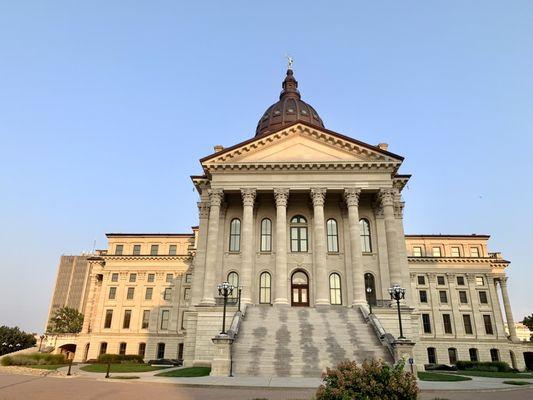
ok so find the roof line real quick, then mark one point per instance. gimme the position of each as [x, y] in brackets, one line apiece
[440, 235]
[114, 234]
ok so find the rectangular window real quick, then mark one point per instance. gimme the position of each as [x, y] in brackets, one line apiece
[142, 349]
[423, 296]
[446, 319]
[108, 318]
[114, 277]
[169, 278]
[148, 293]
[436, 252]
[473, 355]
[488, 324]
[483, 297]
[112, 293]
[452, 354]
[474, 252]
[188, 278]
[165, 315]
[151, 278]
[160, 350]
[467, 321]
[494, 355]
[443, 295]
[462, 297]
[167, 293]
[133, 277]
[426, 323]
[119, 248]
[136, 249]
[130, 294]
[186, 293]
[421, 280]
[461, 280]
[146, 319]
[127, 319]
[103, 348]
[456, 252]
[172, 250]
[122, 349]
[480, 281]
[432, 355]
[182, 321]
[417, 251]
[440, 280]
[154, 249]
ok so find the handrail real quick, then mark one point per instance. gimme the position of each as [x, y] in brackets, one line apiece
[233, 331]
[384, 337]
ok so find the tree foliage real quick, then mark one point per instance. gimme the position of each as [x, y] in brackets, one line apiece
[528, 321]
[13, 339]
[65, 320]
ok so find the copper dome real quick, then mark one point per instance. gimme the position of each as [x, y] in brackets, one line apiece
[289, 109]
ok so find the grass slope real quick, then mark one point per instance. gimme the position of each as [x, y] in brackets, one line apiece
[440, 377]
[187, 372]
[487, 374]
[102, 368]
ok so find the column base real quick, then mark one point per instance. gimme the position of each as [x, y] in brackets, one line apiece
[207, 302]
[322, 302]
[357, 303]
[281, 302]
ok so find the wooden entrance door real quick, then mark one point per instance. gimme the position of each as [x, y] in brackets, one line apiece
[299, 289]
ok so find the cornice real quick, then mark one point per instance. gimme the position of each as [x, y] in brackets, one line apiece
[180, 257]
[457, 260]
[304, 166]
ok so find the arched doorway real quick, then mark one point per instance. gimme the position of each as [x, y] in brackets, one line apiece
[370, 283]
[300, 289]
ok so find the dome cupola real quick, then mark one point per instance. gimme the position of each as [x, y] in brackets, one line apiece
[288, 110]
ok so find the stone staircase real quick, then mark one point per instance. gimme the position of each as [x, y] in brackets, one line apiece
[294, 341]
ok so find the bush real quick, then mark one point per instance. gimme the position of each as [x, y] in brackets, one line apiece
[371, 380]
[34, 359]
[120, 359]
[490, 366]
[439, 367]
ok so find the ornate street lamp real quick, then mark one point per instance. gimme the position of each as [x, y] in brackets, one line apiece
[369, 301]
[398, 293]
[240, 292]
[225, 289]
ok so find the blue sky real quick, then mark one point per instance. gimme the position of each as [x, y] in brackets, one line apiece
[106, 107]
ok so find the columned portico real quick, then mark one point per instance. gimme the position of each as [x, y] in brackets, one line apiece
[507, 306]
[280, 289]
[318, 196]
[351, 196]
[215, 199]
[248, 198]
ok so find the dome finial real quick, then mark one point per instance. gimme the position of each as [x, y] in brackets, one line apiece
[290, 61]
[290, 84]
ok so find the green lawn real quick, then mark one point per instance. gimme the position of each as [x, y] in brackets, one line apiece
[488, 374]
[187, 372]
[124, 377]
[102, 368]
[518, 383]
[50, 367]
[440, 377]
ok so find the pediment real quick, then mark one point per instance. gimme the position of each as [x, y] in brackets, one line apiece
[301, 143]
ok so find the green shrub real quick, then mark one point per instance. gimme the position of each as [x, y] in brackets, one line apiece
[490, 366]
[371, 380]
[120, 359]
[34, 359]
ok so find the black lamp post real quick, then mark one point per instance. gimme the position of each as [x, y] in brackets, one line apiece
[240, 292]
[225, 289]
[398, 293]
[369, 300]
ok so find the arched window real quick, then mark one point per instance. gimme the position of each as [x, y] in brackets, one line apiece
[333, 236]
[370, 283]
[266, 235]
[366, 242]
[235, 235]
[432, 355]
[264, 288]
[335, 289]
[494, 355]
[233, 279]
[103, 347]
[298, 234]
[473, 354]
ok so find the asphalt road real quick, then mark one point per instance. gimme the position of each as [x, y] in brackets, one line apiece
[22, 387]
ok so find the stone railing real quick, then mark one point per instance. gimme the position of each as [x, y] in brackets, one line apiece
[384, 337]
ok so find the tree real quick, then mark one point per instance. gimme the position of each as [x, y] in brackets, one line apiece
[65, 320]
[528, 321]
[13, 339]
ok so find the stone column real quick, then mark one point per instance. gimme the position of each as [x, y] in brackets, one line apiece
[247, 235]
[280, 291]
[199, 258]
[495, 305]
[386, 197]
[318, 196]
[479, 326]
[507, 307]
[351, 196]
[215, 199]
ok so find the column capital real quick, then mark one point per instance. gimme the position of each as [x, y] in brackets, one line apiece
[282, 196]
[502, 280]
[386, 197]
[351, 196]
[203, 209]
[248, 196]
[318, 195]
[215, 196]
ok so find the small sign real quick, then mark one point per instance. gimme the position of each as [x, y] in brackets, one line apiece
[411, 361]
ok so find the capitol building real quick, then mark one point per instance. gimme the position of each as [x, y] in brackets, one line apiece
[308, 223]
